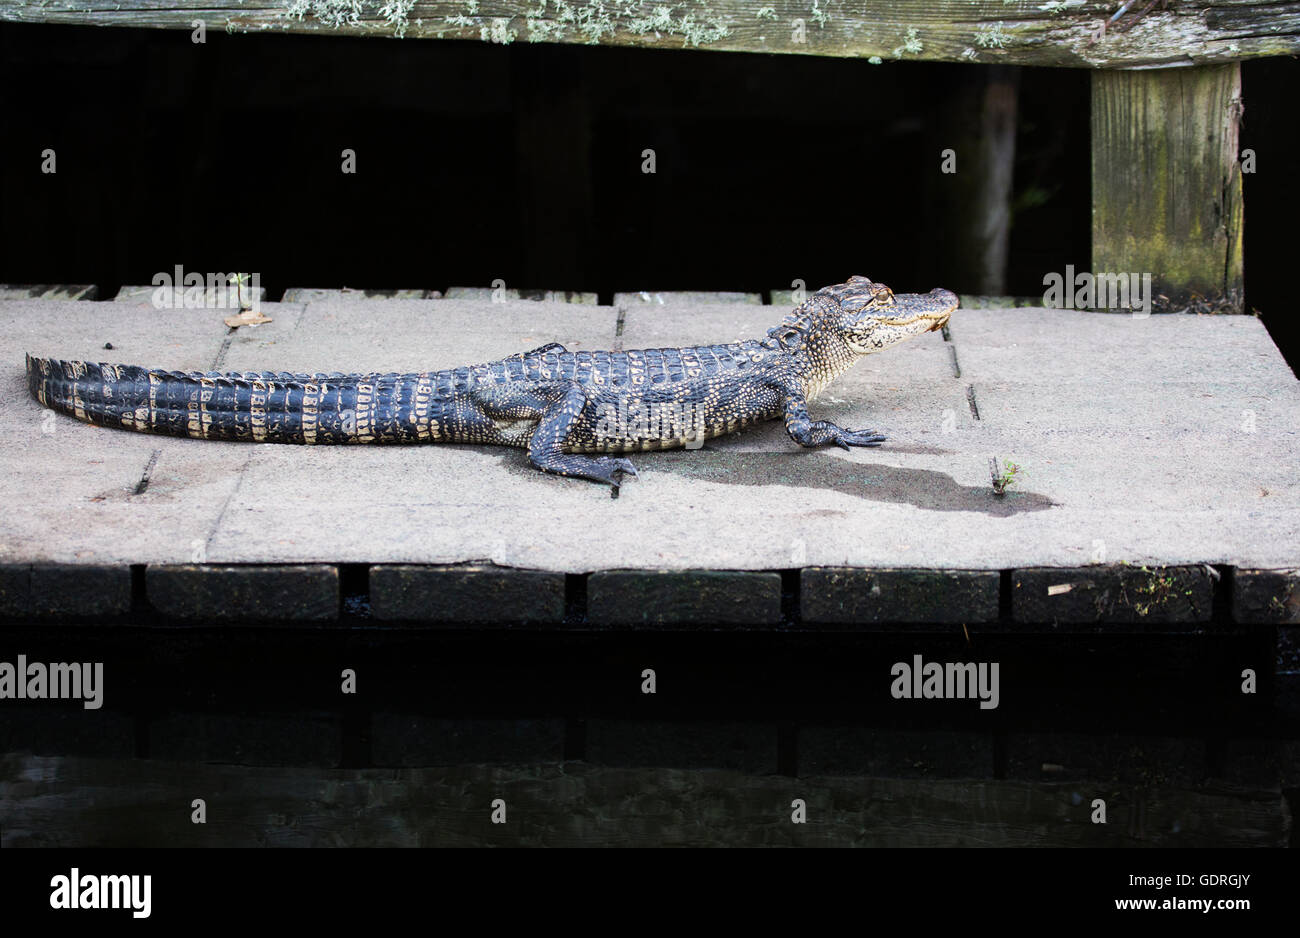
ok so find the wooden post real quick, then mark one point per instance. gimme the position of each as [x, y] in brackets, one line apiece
[977, 122]
[1166, 184]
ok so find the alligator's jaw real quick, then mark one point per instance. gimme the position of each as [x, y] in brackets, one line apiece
[911, 314]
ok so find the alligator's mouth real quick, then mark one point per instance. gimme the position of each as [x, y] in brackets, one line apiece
[935, 320]
[934, 308]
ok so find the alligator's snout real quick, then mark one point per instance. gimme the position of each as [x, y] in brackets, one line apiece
[944, 298]
[923, 312]
[945, 301]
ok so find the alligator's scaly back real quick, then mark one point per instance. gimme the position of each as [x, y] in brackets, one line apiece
[557, 404]
[494, 403]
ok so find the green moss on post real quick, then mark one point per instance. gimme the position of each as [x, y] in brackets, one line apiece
[1166, 184]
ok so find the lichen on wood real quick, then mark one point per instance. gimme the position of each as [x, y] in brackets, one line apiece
[1018, 32]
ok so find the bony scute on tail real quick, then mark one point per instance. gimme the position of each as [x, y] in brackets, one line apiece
[574, 412]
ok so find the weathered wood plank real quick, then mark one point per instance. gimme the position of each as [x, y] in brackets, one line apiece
[224, 297]
[975, 301]
[784, 297]
[685, 298]
[55, 801]
[1166, 185]
[510, 293]
[1008, 32]
[322, 294]
[49, 291]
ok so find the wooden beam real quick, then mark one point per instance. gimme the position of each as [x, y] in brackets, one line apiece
[1166, 184]
[1007, 32]
[75, 802]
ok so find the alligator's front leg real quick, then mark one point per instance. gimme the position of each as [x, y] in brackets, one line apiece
[546, 448]
[808, 432]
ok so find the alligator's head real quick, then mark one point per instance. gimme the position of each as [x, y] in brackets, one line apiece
[871, 318]
[840, 323]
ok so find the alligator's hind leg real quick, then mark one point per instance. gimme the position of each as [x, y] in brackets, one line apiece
[546, 448]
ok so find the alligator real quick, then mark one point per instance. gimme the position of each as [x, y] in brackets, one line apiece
[559, 405]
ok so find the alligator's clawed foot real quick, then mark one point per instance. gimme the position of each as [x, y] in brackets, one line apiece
[617, 467]
[607, 469]
[850, 438]
[822, 432]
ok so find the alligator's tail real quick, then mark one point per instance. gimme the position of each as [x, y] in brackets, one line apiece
[264, 407]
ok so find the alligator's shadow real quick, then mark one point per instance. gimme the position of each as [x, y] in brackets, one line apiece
[924, 488]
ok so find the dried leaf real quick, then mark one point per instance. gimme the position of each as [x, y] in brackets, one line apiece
[249, 317]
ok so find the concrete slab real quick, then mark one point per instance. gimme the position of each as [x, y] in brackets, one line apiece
[79, 496]
[341, 334]
[1169, 440]
[1113, 350]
